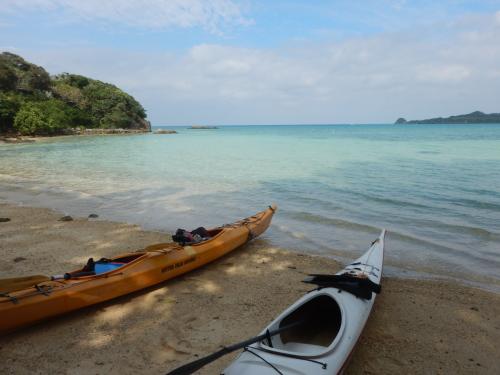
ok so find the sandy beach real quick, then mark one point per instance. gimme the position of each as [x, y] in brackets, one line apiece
[417, 326]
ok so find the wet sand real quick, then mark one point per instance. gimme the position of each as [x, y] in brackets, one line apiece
[417, 326]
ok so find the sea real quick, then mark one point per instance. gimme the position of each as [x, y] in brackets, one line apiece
[435, 188]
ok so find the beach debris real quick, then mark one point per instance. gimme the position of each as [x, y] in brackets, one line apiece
[4, 219]
[19, 259]
[66, 218]
[93, 216]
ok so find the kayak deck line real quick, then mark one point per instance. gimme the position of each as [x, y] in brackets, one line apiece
[46, 290]
[324, 365]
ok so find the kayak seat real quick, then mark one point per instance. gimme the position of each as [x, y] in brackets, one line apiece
[102, 267]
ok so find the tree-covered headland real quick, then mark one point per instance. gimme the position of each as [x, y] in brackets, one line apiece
[34, 103]
[476, 117]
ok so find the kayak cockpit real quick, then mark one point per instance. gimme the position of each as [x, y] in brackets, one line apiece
[104, 265]
[314, 328]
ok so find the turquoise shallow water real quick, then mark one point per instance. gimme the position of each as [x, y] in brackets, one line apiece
[436, 188]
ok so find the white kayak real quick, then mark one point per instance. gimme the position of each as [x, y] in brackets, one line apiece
[325, 324]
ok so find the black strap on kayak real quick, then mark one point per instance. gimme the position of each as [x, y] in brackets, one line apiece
[322, 364]
[43, 289]
[266, 361]
[364, 264]
[361, 287]
[12, 299]
[268, 338]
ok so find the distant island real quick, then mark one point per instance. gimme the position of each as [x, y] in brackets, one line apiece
[34, 103]
[476, 117]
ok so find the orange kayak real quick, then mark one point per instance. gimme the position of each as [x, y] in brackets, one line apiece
[26, 300]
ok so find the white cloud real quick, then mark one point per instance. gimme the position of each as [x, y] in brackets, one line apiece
[364, 79]
[153, 14]
[443, 73]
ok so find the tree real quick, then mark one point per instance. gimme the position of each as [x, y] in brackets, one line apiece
[48, 117]
[30, 120]
[31, 102]
[9, 105]
[8, 78]
[30, 77]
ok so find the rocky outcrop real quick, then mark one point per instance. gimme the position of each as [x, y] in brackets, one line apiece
[109, 131]
[17, 139]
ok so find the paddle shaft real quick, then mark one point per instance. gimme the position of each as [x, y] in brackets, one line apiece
[191, 367]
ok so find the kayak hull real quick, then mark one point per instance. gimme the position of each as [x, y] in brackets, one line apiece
[341, 313]
[143, 269]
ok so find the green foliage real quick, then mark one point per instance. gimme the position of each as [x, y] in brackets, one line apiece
[74, 80]
[30, 77]
[30, 120]
[48, 117]
[109, 107]
[8, 78]
[33, 103]
[9, 105]
[69, 94]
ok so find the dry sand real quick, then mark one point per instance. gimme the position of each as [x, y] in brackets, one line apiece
[417, 327]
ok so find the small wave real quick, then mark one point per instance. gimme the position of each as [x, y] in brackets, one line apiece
[484, 192]
[315, 218]
[468, 254]
[429, 152]
[476, 232]
[390, 201]
[299, 240]
[472, 203]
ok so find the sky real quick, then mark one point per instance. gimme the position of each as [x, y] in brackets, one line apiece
[224, 62]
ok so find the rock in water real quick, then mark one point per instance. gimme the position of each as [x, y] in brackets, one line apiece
[93, 216]
[66, 218]
[165, 131]
[202, 127]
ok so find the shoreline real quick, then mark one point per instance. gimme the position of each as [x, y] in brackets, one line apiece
[21, 191]
[417, 326]
[16, 138]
